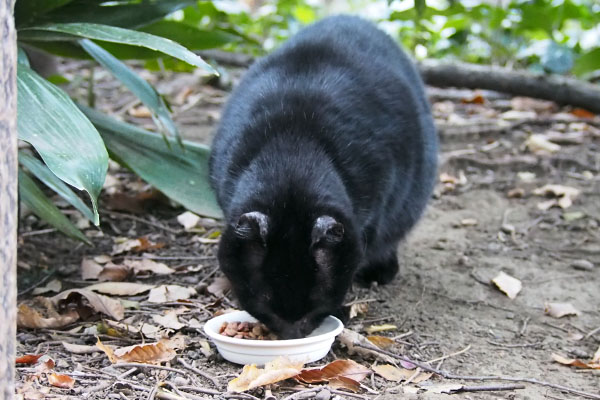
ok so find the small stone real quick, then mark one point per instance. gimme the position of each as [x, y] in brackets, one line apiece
[180, 381]
[323, 395]
[582, 265]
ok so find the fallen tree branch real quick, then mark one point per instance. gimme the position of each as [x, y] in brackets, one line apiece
[562, 90]
[448, 375]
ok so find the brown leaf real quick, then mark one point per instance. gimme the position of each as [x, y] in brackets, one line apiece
[97, 302]
[90, 269]
[153, 353]
[219, 286]
[168, 293]
[148, 265]
[53, 286]
[574, 362]
[340, 373]
[146, 244]
[582, 113]
[140, 112]
[381, 341]
[559, 310]
[45, 316]
[251, 377]
[476, 99]
[28, 359]
[123, 245]
[357, 309]
[169, 320]
[392, 373]
[137, 203]
[113, 273]
[507, 284]
[61, 381]
[120, 288]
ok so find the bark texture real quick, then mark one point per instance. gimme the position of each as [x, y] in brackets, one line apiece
[559, 89]
[8, 198]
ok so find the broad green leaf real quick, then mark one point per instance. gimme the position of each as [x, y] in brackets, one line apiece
[40, 171]
[67, 141]
[190, 36]
[180, 173]
[22, 57]
[30, 10]
[117, 35]
[588, 62]
[41, 206]
[137, 85]
[124, 14]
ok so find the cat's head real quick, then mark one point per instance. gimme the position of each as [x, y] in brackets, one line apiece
[288, 270]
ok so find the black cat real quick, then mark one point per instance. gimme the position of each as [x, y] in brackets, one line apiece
[324, 159]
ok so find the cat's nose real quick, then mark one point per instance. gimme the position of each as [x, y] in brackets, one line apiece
[295, 330]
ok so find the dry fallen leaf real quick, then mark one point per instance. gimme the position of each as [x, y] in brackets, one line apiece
[381, 341]
[189, 220]
[219, 286]
[152, 353]
[345, 374]
[507, 284]
[380, 328]
[169, 320]
[28, 359]
[168, 293]
[61, 381]
[596, 358]
[120, 288]
[148, 265]
[559, 310]
[582, 113]
[113, 273]
[79, 348]
[357, 309]
[124, 244]
[574, 362]
[44, 316]
[352, 339]
[251, 377]
[53, 286]
[564, 194]
[97, 302]
[538, 143]
[448, 388]
[90, 269]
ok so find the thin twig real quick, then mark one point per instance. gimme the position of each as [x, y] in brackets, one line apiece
[143, 221]
[489, 388]
[302, 392]
[37, 284]
[592, 333]
[448, 375]
[512, 346]
[38, 232]
[151, 366]
[450, 355]
[208, 376]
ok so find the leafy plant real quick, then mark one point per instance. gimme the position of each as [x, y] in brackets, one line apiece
[73, 143]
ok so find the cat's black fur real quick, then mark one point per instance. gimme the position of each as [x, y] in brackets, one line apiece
[324, 159]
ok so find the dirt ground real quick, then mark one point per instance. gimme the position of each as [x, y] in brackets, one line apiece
[442, 302]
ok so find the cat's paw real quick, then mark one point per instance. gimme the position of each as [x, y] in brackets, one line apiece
[381, 272]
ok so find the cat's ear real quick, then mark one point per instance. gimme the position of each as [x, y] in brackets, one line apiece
[327, 231]
[252, 226]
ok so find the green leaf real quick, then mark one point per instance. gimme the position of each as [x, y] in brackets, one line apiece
[40, 171]
[30, 10]
[124, 14]
[67, 141]
[117, 35]
[22, 57]
[41, 206]
[190, 36]
[180, 173]
[137, 85]
[588, 62]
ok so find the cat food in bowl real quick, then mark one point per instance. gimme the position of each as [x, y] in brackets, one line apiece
[247, 350]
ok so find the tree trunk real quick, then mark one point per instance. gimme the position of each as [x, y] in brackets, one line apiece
[8, 198]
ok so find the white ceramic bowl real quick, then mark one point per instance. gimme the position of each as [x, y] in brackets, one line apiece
[246, 351]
